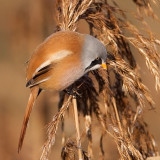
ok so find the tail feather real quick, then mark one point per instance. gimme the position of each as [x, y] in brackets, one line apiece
[33, 95]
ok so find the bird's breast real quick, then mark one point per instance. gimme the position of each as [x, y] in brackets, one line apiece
[62, 78]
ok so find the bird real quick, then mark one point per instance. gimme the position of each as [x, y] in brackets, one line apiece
[60, 60]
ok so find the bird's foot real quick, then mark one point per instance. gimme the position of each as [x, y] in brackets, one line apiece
[73, 91]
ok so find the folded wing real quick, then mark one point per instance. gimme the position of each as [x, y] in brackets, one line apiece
[40, 76]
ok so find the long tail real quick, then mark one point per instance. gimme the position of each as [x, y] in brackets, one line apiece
[33, 95]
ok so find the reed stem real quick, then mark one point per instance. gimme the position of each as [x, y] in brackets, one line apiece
[74, 100]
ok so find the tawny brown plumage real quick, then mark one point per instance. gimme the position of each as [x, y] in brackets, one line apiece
[60, 60]
[32, 98]
[55, 43]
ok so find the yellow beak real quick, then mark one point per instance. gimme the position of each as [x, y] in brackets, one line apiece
[104, 65]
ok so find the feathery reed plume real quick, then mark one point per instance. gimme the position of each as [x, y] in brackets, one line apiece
[118, 117]
[52, 128]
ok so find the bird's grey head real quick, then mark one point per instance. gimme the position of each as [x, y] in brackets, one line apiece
[93, 54]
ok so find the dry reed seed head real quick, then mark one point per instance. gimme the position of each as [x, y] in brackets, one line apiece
[142, 43]
[88, 128]
[69, 151]
[141, 3]
[52, 129]
[107, 23]
[131, 81]
[69, 13]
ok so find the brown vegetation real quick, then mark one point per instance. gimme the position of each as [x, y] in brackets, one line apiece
[121, 87]
[111, 105]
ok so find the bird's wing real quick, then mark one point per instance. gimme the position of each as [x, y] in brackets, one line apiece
[42, 72]
[41, 75]
[33, 95]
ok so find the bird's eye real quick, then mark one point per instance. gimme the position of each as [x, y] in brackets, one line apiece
[95, 62]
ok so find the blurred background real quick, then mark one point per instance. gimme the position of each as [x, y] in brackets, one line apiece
[24, 25]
